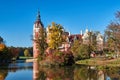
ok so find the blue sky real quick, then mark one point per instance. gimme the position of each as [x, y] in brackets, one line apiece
[18, 16]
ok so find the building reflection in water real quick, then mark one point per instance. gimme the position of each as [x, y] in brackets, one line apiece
[35, 70]
[101, 75]
[74, 73]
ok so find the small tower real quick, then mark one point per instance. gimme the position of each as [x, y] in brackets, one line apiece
[37, 25]
[81, 32]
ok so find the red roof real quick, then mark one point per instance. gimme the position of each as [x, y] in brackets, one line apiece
[75, 36]
[39, 23]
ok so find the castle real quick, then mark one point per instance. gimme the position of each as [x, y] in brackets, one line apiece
[70, 37]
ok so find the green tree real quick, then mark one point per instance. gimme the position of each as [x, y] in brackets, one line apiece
[75, 48]
[81, 51]
[84, 51]
[55, 36]
[27, 53]
[5, 54]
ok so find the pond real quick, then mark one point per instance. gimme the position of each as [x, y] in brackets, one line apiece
[17, 71]
[31, 71]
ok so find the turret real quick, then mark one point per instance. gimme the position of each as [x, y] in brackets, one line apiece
[37, 25]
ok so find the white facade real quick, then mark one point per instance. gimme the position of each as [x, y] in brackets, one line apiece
[85, 36]
[99, 39]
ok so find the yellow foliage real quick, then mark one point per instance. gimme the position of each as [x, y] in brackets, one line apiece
[2, 46]
[55, 35]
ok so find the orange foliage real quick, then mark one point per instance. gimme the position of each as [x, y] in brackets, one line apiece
[2, 46]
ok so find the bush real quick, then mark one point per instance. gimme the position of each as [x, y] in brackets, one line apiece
[5, 55]
[69, 59]
[59, 58]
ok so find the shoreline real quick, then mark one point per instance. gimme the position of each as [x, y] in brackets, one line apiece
[99, 62]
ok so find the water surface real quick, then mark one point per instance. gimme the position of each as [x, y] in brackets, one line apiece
[32, 71]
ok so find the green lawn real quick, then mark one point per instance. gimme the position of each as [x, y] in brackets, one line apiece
[100, 61]
[23, 57]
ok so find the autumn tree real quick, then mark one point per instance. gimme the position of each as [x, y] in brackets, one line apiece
[55, 38]
[41, 41]
[14, 52]
[112, 34]
[27, 53]
[113, 37]
[3, 73]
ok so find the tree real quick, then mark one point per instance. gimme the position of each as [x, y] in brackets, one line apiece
[55, 36]
[1, 40]
[85, 50]
[2, 46]
[75, 48]
[92, 42]
[30, 50]
[117, 15]
[3, 73]
[5, 54]
[94, 39]
[15, 52]
[41, 42]
[81, 51]
[113, 35]
[27, 53]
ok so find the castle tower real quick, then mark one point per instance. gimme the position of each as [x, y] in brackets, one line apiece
[37, 25]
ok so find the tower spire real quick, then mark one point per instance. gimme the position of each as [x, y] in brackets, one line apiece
[38, 16]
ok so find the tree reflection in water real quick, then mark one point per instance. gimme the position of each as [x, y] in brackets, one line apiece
[3, 74]
[3, 71]
[14, 69]
[52, 73]
[75, 73]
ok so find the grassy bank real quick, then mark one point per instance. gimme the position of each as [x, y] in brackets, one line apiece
[24, 58]
[100, 61]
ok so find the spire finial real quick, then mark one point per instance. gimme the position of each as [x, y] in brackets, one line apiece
[38, 16]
